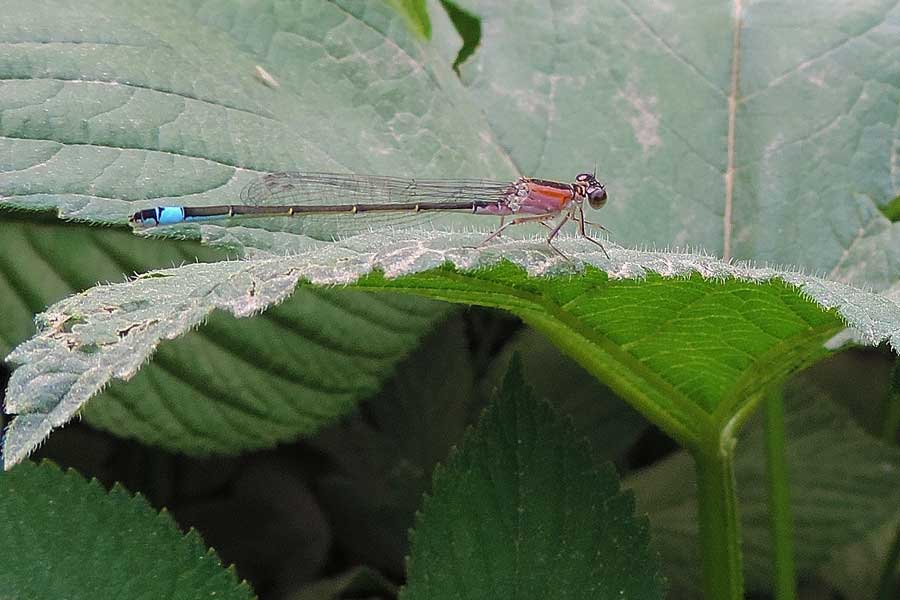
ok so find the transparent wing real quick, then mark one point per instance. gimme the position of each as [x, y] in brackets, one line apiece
[298, 188]
[336, 188]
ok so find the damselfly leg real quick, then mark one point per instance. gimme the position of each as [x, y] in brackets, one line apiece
[581, 230]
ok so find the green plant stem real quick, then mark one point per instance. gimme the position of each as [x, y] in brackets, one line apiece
[780, 520]
[720, 544]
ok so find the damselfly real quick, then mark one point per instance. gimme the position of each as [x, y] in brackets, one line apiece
[364, 197]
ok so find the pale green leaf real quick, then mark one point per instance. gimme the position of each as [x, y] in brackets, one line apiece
[45, 260]
[185, 102]
[757, 130]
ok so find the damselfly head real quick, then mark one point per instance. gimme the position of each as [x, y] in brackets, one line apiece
[596, 196]
[593, 190]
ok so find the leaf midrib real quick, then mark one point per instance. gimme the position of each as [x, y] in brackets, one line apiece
[732, 125]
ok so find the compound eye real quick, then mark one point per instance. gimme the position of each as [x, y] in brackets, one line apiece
[596, 197]
[584, 177]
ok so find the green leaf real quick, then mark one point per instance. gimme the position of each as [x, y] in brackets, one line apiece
[236, 385]
[843, 484]
[64, 537]
[891, 210]
[693, 355]
[710, 127]
[469, 28]
[44, 260]
[233, 386]
[417, 15]
[609, 424]
[520, 512]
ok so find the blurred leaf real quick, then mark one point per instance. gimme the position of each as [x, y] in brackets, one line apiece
[891, 210]
[855, 569]
[888, 583]
[858, 380]
[890, 421]
[469, 28]
[843, 482]
[416, 14]
[384, 455]
[359, 582]
[520, 512]
[266, 519]
[64, 537]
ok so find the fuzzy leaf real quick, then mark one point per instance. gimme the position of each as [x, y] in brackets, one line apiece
[687, 352]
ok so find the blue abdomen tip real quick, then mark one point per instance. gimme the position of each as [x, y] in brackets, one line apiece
[171, 215]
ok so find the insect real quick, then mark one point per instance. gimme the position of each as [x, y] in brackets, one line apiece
[358, 201]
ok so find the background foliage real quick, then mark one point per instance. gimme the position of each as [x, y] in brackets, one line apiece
[766, 134]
